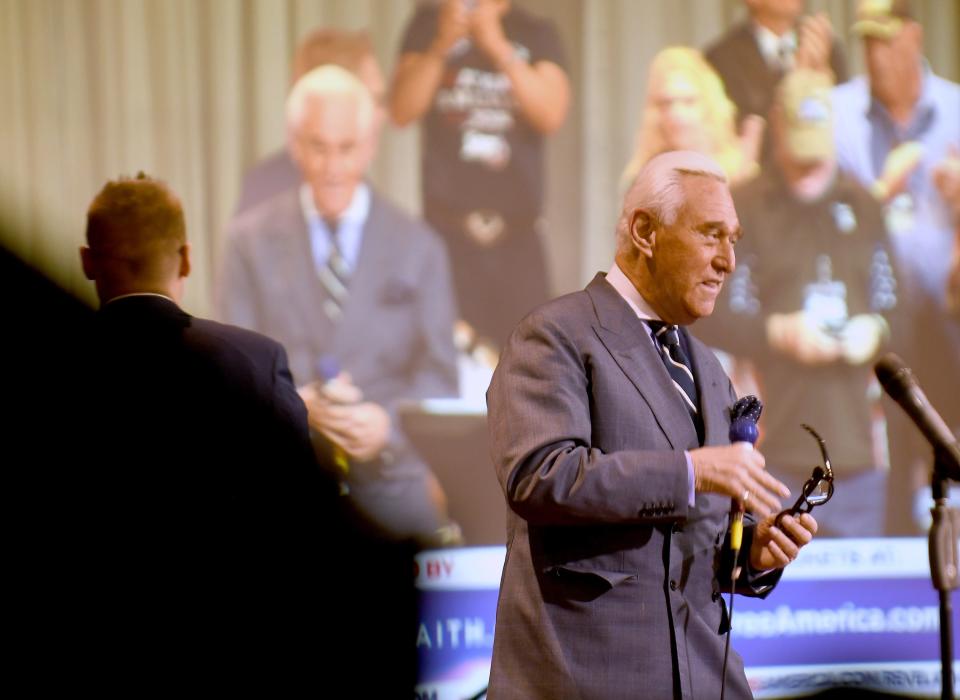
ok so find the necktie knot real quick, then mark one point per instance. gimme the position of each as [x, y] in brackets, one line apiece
[667, 334]
[784, 56]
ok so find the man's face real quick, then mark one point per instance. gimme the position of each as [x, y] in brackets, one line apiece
[892, 64]
[333, 151]
[782, 10]
[691, 257]
[680, 111]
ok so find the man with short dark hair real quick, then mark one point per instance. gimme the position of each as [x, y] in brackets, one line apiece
[200, 508]
[609, 426]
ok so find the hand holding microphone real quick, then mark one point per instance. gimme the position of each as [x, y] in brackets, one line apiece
[358, 429]
[737, 470]
[333, 388]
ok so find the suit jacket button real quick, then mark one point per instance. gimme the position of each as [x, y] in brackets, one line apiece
[673, 585]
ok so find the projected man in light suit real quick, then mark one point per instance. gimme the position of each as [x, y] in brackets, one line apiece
[333, 270]
[619, 478]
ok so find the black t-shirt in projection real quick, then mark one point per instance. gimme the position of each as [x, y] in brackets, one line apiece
[478, 152]
[830, 258]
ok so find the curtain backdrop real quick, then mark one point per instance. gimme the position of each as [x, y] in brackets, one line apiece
[192, 91]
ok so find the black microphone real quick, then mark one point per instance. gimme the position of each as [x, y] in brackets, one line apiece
[898, 381]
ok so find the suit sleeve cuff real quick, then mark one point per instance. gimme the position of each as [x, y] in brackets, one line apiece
[691, 491]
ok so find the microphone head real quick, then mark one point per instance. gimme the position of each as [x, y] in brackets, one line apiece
[744, 430]
[328, 367]
[894, 376]
[743, 419]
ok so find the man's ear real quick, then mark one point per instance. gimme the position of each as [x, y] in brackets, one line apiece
[88, 263]
[643, 232]
[184, 260]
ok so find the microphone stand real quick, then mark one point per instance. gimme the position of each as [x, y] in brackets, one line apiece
[944, 531]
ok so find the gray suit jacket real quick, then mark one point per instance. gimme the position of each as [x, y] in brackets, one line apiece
[395, 337]
[610, 585]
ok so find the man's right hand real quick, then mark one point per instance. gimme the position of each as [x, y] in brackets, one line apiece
[800, 337]
[453, 24]
[738, 471]
[897, 168]
[815, 43]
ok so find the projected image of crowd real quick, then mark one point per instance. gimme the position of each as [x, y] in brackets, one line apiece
[848, 189]
[199, 469]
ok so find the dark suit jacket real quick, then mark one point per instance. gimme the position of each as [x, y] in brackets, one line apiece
[198, 506]
[610, 585]
[748, 79]
[203, 543]
[395, 337]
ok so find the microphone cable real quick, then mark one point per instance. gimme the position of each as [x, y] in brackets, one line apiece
[743, 428]
[726, 648]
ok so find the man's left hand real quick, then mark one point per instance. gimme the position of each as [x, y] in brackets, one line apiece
[487, 31]
[776, 546]
[862, 337]
[946, 177]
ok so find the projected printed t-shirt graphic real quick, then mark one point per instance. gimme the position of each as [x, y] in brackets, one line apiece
[479, 104]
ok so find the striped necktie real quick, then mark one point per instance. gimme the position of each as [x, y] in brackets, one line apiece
[334, 275]
[677, 364]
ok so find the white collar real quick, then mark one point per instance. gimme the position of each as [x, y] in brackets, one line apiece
[770, 44]
[619, 281]
[356, 212]
[139, 294]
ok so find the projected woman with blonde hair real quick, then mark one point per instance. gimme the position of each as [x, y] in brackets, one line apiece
[687, 109]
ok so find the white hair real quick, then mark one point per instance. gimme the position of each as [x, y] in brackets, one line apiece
[658, 188]
[326, 81]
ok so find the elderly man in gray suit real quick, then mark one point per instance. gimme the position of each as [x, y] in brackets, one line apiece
[618, 471]
[346, 281]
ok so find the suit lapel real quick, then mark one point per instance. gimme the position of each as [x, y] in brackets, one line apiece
[628, 343]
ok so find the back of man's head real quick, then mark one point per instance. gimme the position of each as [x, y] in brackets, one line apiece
[136, 236]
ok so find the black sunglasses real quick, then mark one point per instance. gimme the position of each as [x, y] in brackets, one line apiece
[818, 489]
